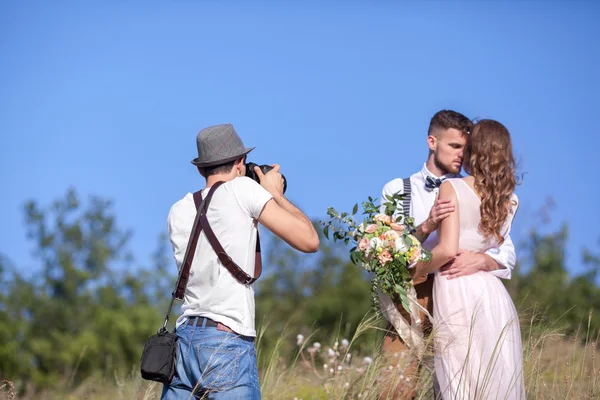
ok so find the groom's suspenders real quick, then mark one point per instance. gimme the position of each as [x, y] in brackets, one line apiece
[406, 200]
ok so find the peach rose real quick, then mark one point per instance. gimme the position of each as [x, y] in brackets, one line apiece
[384, 257]
[385, 219]
[416, 254]
[371, 228]
[363, 244]
[397, 227]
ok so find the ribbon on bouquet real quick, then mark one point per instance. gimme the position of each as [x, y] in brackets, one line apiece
[410, 332]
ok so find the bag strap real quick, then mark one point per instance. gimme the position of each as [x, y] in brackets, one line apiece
[239, 274]
[406, 200]
[184, 272]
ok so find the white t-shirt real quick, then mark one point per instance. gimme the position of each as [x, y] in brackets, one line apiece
[212, 291]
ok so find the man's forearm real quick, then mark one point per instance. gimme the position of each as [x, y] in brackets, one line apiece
[423, 231]
[292, 209]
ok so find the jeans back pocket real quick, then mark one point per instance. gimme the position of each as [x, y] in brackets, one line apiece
[219, 365]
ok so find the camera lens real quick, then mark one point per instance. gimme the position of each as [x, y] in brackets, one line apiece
[264, 168]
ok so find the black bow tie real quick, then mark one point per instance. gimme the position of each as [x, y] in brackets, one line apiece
[431, 183]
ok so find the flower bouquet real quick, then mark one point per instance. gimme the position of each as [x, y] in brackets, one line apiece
[383, 245]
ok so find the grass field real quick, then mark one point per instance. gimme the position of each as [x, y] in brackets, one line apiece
[556, 367]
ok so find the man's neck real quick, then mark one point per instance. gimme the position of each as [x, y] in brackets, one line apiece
[211, 180]
[434, 168]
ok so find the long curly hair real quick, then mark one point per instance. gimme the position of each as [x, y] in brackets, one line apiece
[489, 159]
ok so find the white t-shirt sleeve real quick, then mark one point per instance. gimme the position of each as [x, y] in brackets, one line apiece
[251, 196]
[179, 226]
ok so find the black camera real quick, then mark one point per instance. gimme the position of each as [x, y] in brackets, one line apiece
[264, 168]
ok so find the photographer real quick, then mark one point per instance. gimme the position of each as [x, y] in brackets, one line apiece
[216, 353]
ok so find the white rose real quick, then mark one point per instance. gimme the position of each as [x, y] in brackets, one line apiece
[401, 245]
[391, 235]
[375, 243]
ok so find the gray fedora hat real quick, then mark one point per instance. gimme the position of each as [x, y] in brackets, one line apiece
[219, 144]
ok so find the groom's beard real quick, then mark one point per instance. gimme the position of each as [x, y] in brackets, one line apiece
[440, 166]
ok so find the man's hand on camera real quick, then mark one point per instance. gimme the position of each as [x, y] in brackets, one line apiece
[272, 181]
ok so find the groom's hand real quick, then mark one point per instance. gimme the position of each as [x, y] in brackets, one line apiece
[440, 210]
[467, 263]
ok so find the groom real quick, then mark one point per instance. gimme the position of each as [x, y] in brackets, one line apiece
[447, 138]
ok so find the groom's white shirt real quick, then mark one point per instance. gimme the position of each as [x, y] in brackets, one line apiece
[421, 202]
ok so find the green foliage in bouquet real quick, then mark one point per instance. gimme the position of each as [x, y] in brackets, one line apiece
[382, 245]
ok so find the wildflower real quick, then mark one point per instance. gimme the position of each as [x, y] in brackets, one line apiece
[317, 345]
[331, 352]
[339, 368]
[299, 339]
[346, 385]
[345, 343]
[367, 360]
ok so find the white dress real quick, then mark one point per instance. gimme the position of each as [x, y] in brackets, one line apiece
[477, 336]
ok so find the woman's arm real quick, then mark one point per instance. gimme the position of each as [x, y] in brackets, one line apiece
[448, 233]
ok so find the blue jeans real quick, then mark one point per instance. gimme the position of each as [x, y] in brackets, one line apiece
[212, 364]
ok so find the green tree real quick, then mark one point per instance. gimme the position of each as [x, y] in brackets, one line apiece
[86, 310]
[542, 285]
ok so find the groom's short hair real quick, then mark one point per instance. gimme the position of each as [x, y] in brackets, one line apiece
[448, 119]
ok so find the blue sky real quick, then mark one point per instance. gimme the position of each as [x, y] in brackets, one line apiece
[108, 98]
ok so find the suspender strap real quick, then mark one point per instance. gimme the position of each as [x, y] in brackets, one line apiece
[406, 200]
[184, 272]
[201, 206]
[239, 274]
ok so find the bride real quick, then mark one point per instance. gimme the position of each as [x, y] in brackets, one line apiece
[477, 336]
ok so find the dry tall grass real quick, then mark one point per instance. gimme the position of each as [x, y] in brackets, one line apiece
[556, 367]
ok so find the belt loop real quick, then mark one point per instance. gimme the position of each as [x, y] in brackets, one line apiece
[203, 322]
